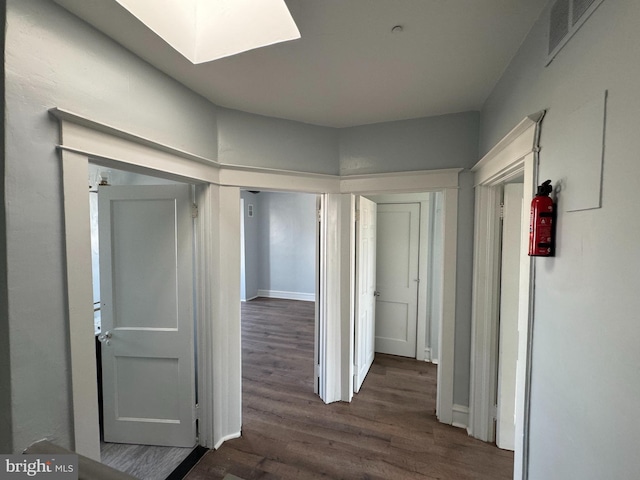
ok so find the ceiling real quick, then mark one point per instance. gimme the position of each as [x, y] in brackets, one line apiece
[348, 68]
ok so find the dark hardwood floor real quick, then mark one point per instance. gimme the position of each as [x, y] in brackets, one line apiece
[146, 462]
[388, 431]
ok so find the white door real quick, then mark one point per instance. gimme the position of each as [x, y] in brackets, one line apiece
[319, 341]
[509, 304]
[398, 242]
[146, 265]
[365, 289]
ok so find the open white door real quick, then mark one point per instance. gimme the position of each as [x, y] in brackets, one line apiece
[146, 278]
[318, 343]
[365, 311]
[397, 278]
[509, 305]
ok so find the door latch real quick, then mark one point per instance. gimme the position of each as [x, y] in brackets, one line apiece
[105, 338]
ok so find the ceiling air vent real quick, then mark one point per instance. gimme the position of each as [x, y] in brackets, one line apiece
[566, 17]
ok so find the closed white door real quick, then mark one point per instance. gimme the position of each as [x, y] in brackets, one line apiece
[365, 289]
[509, 304]
[146, 272]
[398, 240]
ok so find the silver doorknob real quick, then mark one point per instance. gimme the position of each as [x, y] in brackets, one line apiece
[105, 338]
[376, 293]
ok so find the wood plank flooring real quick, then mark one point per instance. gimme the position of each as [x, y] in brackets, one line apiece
[146, 462]
[388, 431]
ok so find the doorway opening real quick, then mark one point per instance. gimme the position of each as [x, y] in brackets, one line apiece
[279, 281]
[142, 248]
[512, 218]
[407, 250]
[515, 157]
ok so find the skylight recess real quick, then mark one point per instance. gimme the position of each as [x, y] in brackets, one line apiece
[206, 30]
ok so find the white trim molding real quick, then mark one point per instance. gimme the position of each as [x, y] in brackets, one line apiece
[219, 330]
[505, 159]
[460, 416]
[305, 297]
[233, 436]
[80, 298]
[427, 356]
[401, 182]
[219, 362]
[446, 342]
[514, 156]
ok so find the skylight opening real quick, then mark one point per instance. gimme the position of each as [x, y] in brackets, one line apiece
[207, 30]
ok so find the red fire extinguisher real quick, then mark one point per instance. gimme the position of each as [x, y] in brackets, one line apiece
[541, 226]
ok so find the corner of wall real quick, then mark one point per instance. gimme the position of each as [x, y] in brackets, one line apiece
[464, 264]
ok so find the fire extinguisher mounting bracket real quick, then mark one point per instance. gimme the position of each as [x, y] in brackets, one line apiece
[545, 188]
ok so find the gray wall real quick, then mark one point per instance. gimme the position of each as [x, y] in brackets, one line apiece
[252, 239]
[445, 141]
[287, 242]
[586, 360]
[247, 139]
[53, 59]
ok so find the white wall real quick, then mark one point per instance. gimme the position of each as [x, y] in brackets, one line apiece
[287, 243]
[585, 384]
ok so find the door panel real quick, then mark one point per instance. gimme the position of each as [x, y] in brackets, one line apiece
[365, 288]
[398, 238]
[398, 329]
[146, 269]
[509, 305]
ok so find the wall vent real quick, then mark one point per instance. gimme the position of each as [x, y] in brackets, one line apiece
[566, 17]
[580, 7]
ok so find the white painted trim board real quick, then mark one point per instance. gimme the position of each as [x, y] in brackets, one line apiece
[108, 146]
[513, 156]
[305, 297]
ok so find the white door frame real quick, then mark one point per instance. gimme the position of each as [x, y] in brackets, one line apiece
[445, 181]
[321, 298]
[515, 155]
[413, 283]
[218, 268]
[219, 338]
[426, 201]
[79, 144]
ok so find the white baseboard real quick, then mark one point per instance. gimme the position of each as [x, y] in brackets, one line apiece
[427, 355]
[305, 297]
[225, 438]
[460, 416]
[249, 299]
